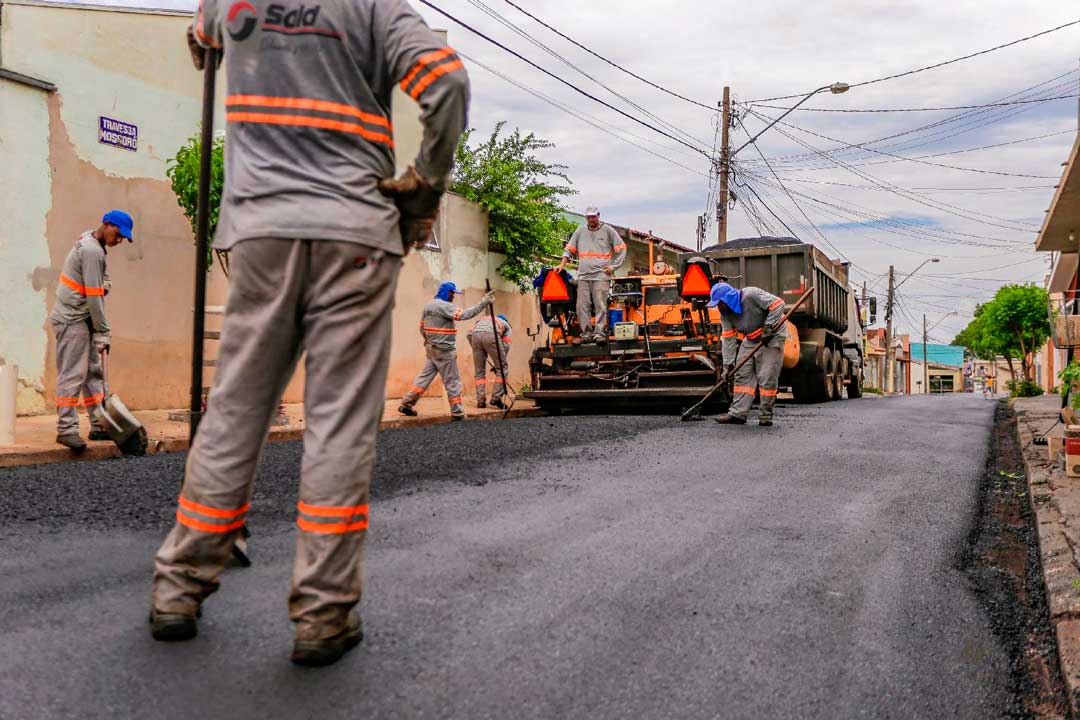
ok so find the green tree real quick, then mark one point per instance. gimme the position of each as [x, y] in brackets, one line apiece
[1014, 324]
[522, 196]
[183, 171]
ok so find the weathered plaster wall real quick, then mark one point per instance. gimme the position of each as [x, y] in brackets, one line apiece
[24, 203]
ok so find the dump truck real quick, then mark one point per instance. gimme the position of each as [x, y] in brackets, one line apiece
[663, 349]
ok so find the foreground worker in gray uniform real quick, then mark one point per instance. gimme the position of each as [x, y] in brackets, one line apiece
[750, 317]
[317, 228]
[599, 251]
[482, 338]
[81, 330]
[440, 345]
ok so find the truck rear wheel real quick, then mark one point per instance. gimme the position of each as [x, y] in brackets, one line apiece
[854, 388]
[836, 377]
[812, 384]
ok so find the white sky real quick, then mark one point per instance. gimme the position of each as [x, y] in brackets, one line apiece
[781, 47]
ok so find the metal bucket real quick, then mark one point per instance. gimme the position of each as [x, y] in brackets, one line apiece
[119, 422]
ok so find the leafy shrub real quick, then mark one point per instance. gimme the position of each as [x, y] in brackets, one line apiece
[183, 171]
[1023, 388]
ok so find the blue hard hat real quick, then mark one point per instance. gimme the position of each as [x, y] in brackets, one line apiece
[445, 289]
[724, 293]
[122, 221]
[503, 318]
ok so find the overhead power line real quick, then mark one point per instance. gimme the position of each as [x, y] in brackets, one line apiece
[505, 22]
[613, 64]
[937, 65]
[923, 109]
[567, 83]
[588, 119]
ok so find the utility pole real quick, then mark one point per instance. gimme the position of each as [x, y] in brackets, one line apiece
[890, 353]
[925, 371]
[724, 170]
[864, 309]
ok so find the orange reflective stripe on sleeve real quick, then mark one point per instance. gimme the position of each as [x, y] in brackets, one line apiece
[619, 247]
[769, 393]
[746, 389]
[457, 314]
[776, 303]
[571, 249]
[423, 62]
[82, 289]
[432, 76]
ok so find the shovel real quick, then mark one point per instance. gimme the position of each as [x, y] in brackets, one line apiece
[692, 413]
[119, 422]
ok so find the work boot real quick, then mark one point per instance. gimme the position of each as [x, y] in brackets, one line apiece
[498, 402]
[99, 434]
[173, 627]
[765, 422]
[407, 410]
[482, 403]
[577, 340]
[600, 338]
[457, 417]
[327, 651]
[72, 440]
[729, 419]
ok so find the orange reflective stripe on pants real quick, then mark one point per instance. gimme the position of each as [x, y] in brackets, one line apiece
[748, 389]
[187, 506]
[769, 393]
[353, 518]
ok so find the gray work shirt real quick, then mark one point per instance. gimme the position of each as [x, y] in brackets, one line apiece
[595, 250]
[309, 132]
[80, 294]
[437, 322]
[761, 314]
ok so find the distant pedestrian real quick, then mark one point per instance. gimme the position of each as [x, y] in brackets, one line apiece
[440, 345]
[750, 318]
[600, 251]
[81, 330]
[482, 338]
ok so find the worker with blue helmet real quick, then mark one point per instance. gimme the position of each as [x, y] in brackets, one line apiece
[482, 338]
[749, 319]
[440, 344]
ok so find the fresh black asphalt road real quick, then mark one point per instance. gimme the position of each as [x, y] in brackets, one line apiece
[573, 567]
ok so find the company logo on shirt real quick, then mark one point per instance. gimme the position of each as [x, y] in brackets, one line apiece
[280, 19]
[242, 19]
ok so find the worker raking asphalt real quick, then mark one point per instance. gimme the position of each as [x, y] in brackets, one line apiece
[595, 566]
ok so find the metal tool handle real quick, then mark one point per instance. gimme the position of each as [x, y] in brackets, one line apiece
[498, 339]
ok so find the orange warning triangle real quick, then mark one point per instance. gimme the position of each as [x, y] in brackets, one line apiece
[695, 282]
[554, 289]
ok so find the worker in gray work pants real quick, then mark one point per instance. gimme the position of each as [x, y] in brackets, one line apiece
[482, 339]
[749, 318]
[317, 226]
[440, 345]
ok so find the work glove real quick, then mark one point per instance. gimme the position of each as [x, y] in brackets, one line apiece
[101, 343]
[488, 299]
[198, 52]
[418, 202]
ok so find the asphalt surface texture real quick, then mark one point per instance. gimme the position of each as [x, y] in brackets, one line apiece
[571, 567]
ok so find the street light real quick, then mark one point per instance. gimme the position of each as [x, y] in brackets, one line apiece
[924, 262]
[836, 89]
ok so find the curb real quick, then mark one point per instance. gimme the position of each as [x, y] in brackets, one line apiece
[103, 450]
[1049, 492]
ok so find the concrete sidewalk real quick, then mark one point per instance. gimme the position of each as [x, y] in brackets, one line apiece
[36, 435]
[1055, 501]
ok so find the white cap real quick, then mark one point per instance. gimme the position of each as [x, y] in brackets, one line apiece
[592, 211]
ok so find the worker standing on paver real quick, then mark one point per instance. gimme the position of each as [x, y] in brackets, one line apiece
[482, 338]
[750, 317]
[440, 344]
[600, 251]
[81, 330]
[317, 228]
